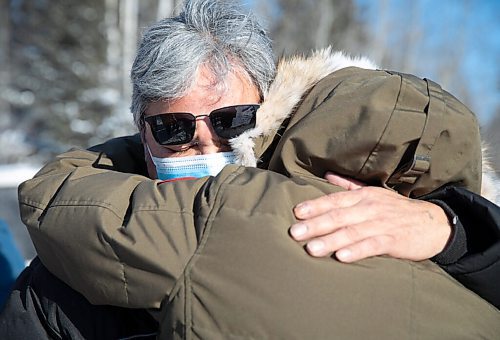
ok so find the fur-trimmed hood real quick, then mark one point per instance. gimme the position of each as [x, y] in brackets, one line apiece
[295, 77]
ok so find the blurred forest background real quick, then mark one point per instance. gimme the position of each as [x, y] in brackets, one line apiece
[64, 64]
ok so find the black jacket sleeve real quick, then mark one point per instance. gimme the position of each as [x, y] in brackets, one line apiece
[41, 306]
[479, 268]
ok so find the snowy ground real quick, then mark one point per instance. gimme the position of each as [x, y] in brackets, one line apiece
[10, 177]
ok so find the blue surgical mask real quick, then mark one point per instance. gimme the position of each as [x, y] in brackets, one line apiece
[191, 166]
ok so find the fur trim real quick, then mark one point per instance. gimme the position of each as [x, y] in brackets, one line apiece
[294, 77]
[490, 181]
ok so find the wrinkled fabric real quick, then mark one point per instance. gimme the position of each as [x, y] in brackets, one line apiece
[213, 257]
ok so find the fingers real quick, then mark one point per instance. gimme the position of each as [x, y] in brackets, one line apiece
[328, 213]
[321, 205]
[329, 222]
[372, 221]
[373, 246]
[356, 241]
[344, 182]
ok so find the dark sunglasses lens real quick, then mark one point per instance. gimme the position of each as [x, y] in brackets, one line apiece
[172, 128]
[230, 122]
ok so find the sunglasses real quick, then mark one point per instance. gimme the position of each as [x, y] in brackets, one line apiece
[178, 128]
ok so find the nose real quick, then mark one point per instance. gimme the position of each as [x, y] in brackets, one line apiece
[205, 138]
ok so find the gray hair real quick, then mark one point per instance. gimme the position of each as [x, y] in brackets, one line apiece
[217, 34]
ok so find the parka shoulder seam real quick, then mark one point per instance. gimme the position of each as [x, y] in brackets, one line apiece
[33, 204]
[184, 276]
[122, 265]
[86, 204]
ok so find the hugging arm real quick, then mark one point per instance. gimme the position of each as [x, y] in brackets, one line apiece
[369, 221]
[117, 238]
[123, 225]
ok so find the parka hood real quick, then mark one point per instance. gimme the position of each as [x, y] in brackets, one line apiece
[391, 129]
[295, 76]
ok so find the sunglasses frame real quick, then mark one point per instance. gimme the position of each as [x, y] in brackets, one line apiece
[216, 118]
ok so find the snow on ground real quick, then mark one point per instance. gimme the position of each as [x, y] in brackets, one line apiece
[11, 175]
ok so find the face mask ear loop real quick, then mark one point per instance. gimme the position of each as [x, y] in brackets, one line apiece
[151, 155]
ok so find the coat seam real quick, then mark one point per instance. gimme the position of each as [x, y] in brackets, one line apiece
[45, 318]
[80, 204]
[215, 207]
[377, 145]
[33, 204]
[122, 264]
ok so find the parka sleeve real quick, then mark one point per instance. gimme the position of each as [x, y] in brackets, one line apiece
[479, 268]
[117, 238]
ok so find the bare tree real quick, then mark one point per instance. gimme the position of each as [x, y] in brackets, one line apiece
[325, 21]
[129, 25]
[303, 25]
[4, 63]
[166, 8]
[113, 49]
[72, 63]
[57, 55]
[402, 41]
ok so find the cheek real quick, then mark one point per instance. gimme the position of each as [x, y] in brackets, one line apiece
[156, 149]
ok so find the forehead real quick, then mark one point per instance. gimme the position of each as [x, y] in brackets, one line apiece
[207, 95]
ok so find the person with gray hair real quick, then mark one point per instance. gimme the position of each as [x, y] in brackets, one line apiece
[191, 73]
[212, 34]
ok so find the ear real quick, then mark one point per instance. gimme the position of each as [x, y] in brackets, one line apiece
[142, 133]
